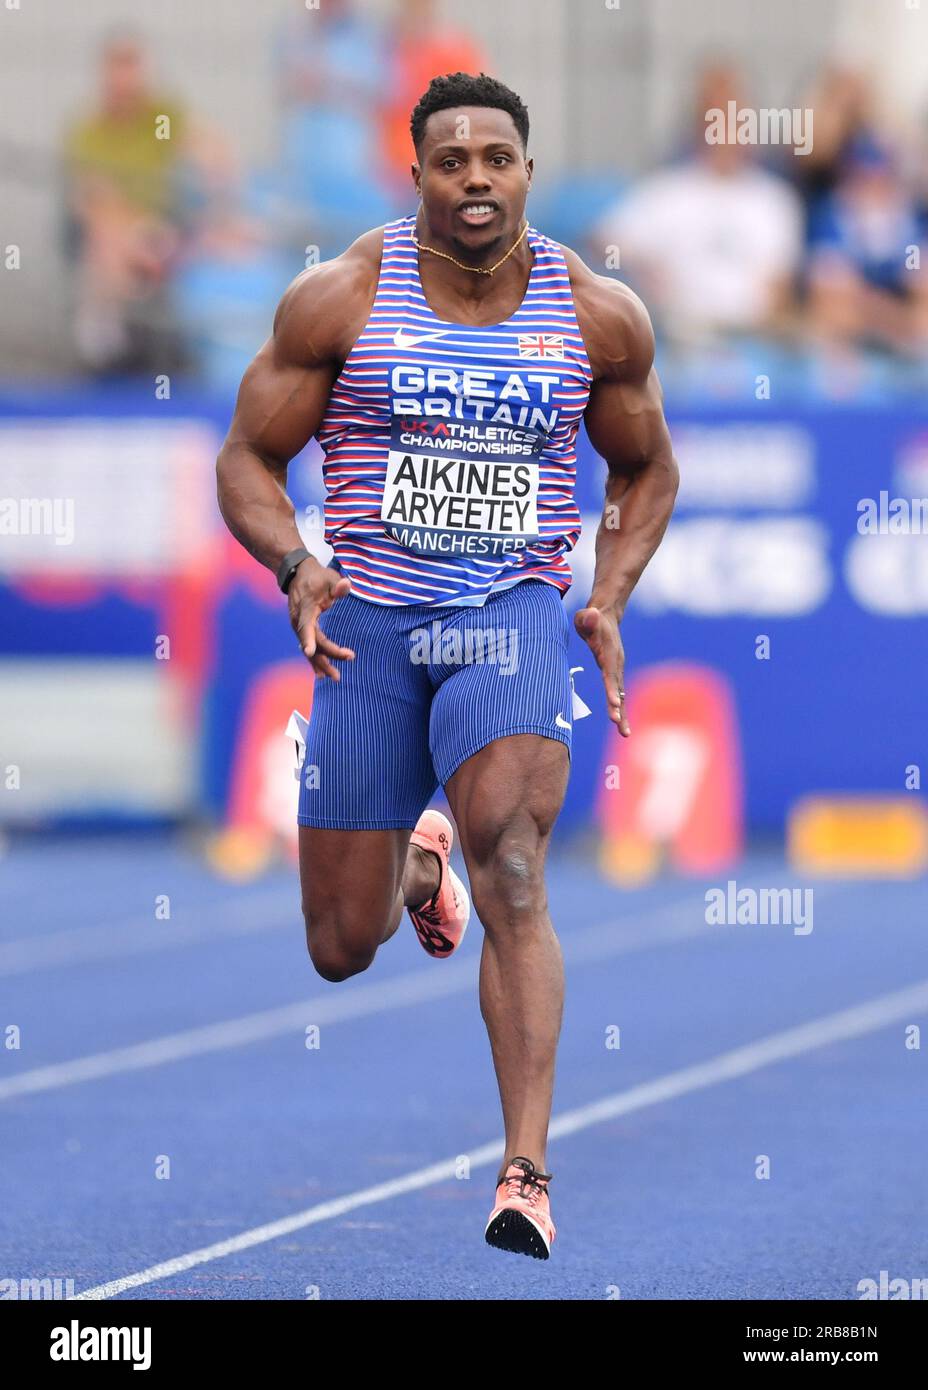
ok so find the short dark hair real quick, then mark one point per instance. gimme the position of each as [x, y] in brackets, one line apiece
[464, 89]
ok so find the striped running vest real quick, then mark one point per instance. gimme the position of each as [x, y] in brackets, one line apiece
[450, 456]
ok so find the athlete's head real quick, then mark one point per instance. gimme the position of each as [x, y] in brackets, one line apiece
[470, 135]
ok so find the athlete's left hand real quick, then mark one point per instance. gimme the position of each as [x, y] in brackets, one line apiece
[599, 629]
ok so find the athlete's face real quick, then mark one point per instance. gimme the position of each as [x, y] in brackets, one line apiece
[473, 177]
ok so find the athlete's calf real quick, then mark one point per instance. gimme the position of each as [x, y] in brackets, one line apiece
[506, 799]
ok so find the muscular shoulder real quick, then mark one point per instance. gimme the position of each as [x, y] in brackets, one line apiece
[324, 309]
[614, 323]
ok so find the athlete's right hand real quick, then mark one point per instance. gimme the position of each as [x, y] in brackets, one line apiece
[313, 589]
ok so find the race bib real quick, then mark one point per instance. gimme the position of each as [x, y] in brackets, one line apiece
[461, 487]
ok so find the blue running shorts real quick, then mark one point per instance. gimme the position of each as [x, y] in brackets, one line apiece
[429, 687]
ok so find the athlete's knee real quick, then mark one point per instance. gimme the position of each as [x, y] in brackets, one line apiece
[507, 883]
[334, 962]
[333, 951]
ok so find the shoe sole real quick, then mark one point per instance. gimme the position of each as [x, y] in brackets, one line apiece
[512, 1230]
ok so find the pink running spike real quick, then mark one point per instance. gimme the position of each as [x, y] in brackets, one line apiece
[441, 922]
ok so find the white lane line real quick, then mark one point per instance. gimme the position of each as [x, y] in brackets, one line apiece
[269, 909]
[415, 987]
[777, 1047]
[138, 935]
[437, 980]
[684, 918]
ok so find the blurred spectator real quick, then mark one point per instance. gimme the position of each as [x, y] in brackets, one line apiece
[422, 48]
[713, 243]
[122, 201]
[866, 284]
[332, 64]
[843, 112]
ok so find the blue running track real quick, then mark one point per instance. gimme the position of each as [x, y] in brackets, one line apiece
[183, 1043]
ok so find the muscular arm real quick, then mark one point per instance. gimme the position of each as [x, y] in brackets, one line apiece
[280, 406]
[625, 423]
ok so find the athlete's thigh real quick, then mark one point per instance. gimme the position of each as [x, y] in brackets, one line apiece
[349, 879]
[367, 764]
[507, 797]
[501, 728]
[510, 676]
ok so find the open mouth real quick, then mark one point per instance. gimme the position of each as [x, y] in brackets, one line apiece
[476, 214]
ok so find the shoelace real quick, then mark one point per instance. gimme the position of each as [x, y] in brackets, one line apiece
[530, 1184]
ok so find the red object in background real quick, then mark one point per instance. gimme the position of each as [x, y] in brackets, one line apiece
[182, 600]
[264, 790]
[241, 568]
[421, 49]
[679, 793]
[59, 591]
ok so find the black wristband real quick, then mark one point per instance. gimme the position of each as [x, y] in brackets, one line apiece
[288, 567]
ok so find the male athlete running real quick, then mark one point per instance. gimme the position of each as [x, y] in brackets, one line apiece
[444, 362]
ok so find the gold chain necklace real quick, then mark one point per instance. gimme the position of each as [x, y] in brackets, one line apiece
[474, 269]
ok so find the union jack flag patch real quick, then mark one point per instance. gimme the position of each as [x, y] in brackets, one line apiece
[540, 345]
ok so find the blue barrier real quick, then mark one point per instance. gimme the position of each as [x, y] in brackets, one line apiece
[768, 575]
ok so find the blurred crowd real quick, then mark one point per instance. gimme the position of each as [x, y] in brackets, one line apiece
[178, 252]
[172, 242]
[821, 247]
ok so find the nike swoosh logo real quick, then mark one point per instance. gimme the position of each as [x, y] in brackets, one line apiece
[561, 722]
[404, 340]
